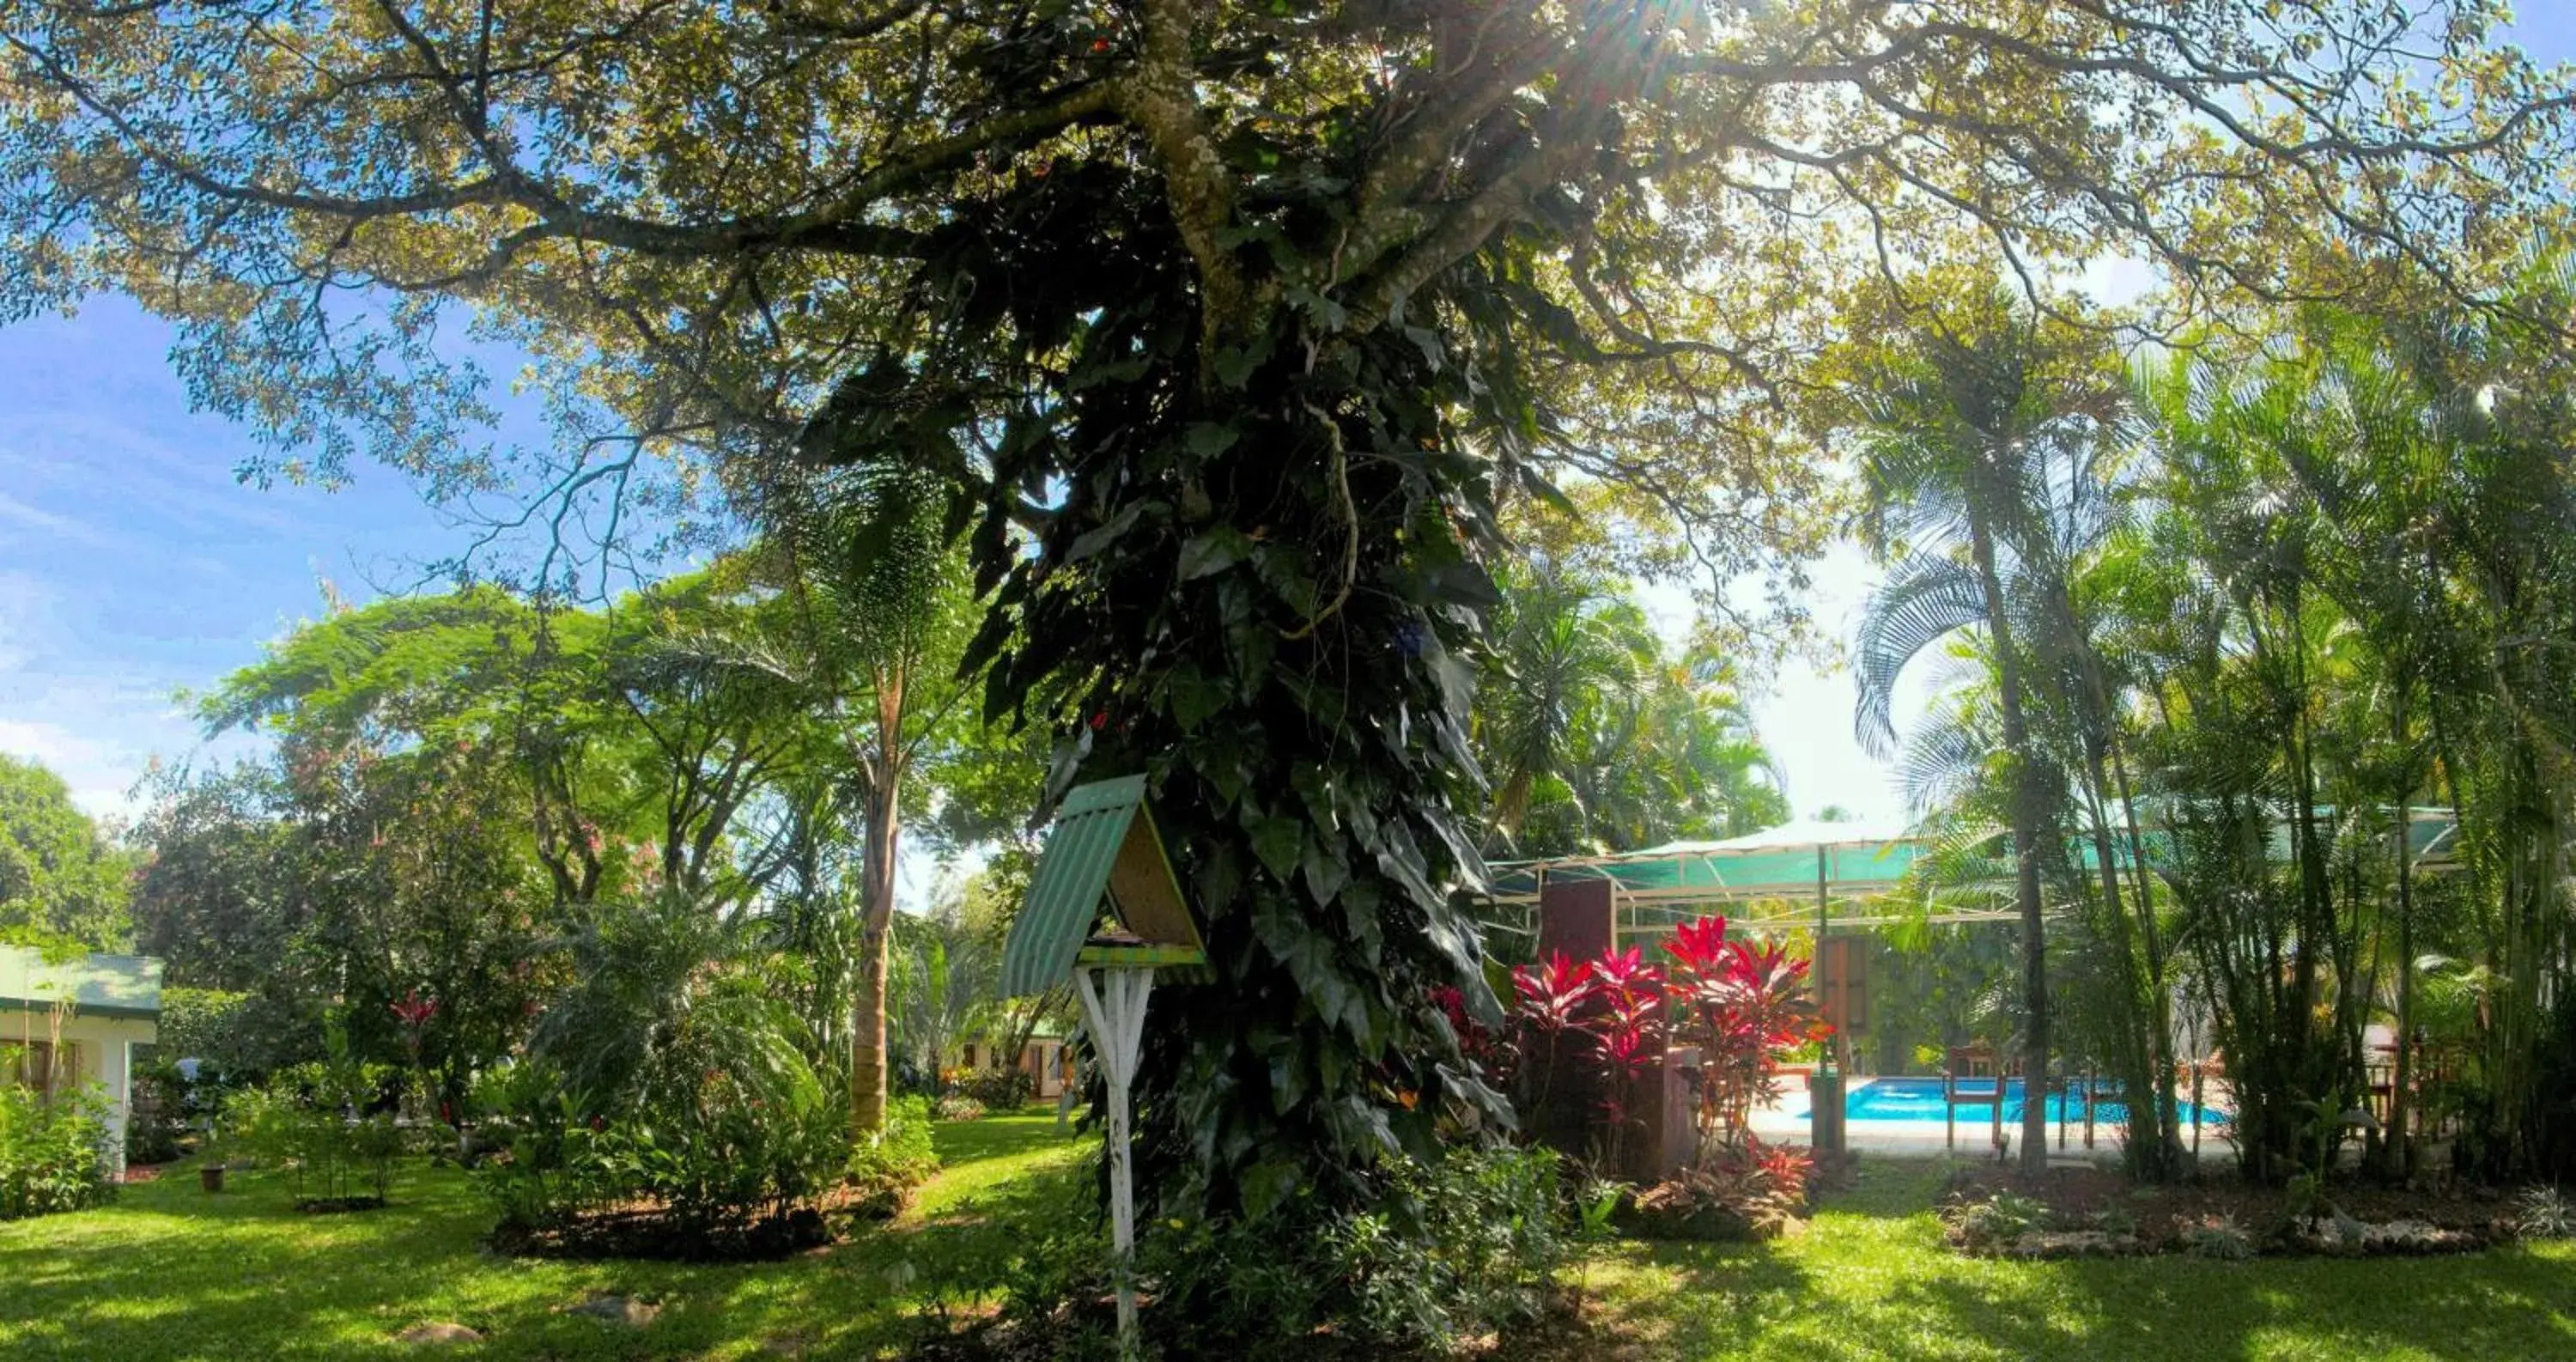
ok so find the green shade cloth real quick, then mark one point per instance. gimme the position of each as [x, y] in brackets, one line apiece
[1845, 861]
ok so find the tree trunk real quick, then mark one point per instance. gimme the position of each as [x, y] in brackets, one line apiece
[882, 814]
[2402, 1072]
[2025, 835]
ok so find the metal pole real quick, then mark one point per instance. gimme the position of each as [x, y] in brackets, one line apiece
[1824, 968]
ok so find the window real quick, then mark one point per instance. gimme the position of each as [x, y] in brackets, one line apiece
[40, 1065]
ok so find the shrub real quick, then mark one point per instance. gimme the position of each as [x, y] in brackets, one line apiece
[53, 1155]
[1745, 1191]
[1460, 1247]
[885, 1167]
[312, 1120]
[2544, 1213]
[157, 1114]
[1997, 1222]
[2220, 1237]
[958, 1107]
[670, 1103]
[997, 1089]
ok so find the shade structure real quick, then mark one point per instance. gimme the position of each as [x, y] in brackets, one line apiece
[1799, 864]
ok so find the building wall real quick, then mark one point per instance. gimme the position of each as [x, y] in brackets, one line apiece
[102, 1056]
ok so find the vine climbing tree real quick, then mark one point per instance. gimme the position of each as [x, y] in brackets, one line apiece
[1225, 330]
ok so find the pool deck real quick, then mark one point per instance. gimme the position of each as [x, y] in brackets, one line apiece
[1786, 1122]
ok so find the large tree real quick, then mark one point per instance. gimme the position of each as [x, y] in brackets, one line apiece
[60, 880]
[1247, 315]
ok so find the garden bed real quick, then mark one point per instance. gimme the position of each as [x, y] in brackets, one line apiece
[653, 1233]
[2091, 1212]
[338, 1205]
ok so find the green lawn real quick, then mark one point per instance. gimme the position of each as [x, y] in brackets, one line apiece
[1871, 1279]
[169, 1272]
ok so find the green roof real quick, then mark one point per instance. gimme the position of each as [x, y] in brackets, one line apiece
[101, 985]
[1103, 851]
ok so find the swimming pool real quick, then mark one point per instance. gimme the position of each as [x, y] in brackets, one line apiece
[1919, 1099]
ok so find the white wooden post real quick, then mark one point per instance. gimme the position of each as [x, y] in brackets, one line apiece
[1114, 1005]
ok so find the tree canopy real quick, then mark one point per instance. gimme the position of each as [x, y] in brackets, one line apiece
[61, 880]
[1232, 334]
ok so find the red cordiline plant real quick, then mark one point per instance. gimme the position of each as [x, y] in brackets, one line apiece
[1744, 1005]
[1627, 1031]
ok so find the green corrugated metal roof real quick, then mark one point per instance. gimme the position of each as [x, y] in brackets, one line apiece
[1073, 876]
[102, 985]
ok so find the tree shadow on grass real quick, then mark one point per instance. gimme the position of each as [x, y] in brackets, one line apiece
[170, 1272]
[2507, 1303]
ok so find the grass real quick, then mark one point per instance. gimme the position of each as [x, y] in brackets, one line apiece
[170, 1273]
[1872, 1279]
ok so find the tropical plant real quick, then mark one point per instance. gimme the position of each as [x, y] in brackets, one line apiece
[53, 1151]
[885, 1167]
[2543, 1212]
[1744, 1006]
[1967, 419]
[1996, 1222]
[670, 1076]
[326, 1123]
[957, 1106]
[1599, 738]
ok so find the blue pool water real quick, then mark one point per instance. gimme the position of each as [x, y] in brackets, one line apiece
[1919, 1099]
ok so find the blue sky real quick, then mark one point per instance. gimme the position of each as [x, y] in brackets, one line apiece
[133, 566]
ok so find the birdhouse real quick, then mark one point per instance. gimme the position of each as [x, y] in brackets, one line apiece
[1104, 852]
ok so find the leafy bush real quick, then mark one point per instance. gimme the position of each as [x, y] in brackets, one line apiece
[1735, 1191]
[958, 1107]
[53, 1155]
[2220, 1237]
[997, 1089]
[1998, 1221]
[1464, 1246]
[2544, 1213]
[314, 1121]
[672, 1090]
[888, 1165]
[157, 1113]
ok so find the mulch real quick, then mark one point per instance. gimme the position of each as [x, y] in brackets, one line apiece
[656, 1234]
[2478, 1216]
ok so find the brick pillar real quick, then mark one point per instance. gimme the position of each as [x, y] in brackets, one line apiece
[1561, 1090]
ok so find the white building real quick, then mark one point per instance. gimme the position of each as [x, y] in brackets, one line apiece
[75, 1024]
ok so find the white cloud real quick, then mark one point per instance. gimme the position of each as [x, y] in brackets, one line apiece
[45, 522]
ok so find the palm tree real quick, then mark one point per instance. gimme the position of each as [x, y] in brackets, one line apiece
[1600, 739]
[874, 618]
[1966, 414]
[1564, 643]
